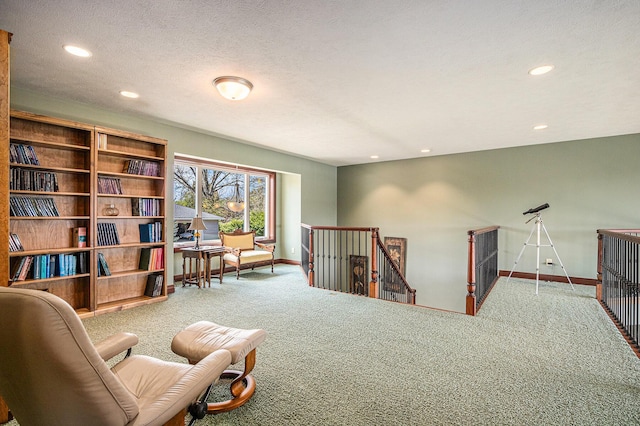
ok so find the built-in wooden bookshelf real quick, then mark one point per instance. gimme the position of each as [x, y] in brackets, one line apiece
[66, 160]
[116, 152]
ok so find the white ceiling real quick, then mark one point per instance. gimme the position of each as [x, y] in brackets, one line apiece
[339, 81]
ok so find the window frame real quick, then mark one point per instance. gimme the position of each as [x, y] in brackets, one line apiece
[270, 196]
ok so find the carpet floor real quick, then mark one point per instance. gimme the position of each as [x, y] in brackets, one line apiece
[337, 359]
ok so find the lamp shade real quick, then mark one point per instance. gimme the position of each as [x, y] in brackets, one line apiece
[233, 88]
[197, 224]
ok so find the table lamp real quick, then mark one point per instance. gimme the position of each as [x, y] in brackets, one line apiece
[196, 225]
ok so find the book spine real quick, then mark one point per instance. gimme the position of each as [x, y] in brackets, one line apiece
[80, 237]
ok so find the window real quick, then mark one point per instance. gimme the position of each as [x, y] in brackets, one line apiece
[212, 190]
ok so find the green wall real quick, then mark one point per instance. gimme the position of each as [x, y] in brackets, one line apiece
[590, 184]
[314, 189]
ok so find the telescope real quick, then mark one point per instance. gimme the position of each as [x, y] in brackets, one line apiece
[537, 209]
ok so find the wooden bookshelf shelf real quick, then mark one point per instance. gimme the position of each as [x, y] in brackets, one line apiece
[129, 155]
[44, 281]
[129, 303]
[129, 273]
[130, 176]
[67, 158]
[49, 168]
[40, 142]
[48, 251]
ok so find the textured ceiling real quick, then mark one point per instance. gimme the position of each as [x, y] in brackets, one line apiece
[339, 81]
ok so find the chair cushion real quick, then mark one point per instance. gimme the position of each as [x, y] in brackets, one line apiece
[159, 386]
[242, 242]
[249, 256]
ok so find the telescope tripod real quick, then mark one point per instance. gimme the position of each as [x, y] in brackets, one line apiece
[536, 227]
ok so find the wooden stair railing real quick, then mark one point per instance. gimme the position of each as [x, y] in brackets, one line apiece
[482, 272]
[618, 288]
[341, 259]
[392, 277]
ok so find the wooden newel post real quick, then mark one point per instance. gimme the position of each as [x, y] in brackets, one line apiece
[471, 276]
[373, 285]
[311, 254]
[599, 270]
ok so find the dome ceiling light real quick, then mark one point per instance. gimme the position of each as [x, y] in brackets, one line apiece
[233, 88]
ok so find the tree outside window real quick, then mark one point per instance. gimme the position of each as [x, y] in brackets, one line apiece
[216, 187]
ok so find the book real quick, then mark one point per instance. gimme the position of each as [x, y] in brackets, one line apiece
[14, 243]
[82, 262]
[103, 268]
[145, 258]
[17, 265]
[62, 271]
[146, 232]
[102, 141]
[154, 285]
[80, 236]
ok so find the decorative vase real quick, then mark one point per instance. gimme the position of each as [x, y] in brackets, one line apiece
[111, 210]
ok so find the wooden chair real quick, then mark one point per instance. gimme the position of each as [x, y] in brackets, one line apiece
[240, 249]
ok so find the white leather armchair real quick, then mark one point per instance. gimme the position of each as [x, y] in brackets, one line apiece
[51, 373]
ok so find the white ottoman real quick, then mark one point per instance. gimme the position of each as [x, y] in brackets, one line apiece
[202, 338]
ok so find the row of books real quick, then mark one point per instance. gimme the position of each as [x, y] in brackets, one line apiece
[108, 185]
[154, 285]
[32, 206]
[141, 167]
[14, 243]
[150, 232]
[49, 265]
[103, 267]
[108, 234]
[145, 207]
[151, 259]
[23, 154]
[32, 180]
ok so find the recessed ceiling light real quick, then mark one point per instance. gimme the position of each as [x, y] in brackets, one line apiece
[425, 150]
[375, 157]
[77, 51]
[540, 70]
[127, 94]
[540, 127]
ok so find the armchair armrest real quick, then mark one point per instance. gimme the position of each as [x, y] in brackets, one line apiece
[187, 389]
[267, 247]
[113, 345]
[232, 250]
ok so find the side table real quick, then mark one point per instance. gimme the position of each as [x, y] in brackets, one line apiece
[191, 254]
[210, 252]
[202, 256]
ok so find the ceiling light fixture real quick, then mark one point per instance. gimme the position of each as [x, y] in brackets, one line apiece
[540, 127]
[77, 51]
[233, 88]
[236, 204]
[425, 150]
[540, 70]
[375, 157]
[127, 94]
